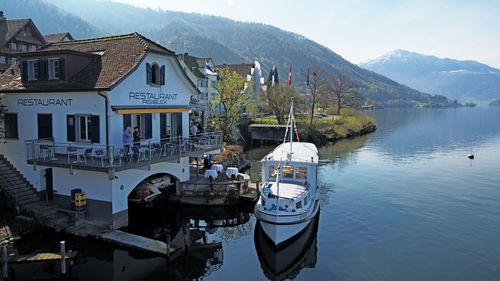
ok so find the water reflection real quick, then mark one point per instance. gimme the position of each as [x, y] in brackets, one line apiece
[286, 263]
[199, 229]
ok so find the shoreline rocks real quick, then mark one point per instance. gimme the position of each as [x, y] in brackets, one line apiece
[330, 136]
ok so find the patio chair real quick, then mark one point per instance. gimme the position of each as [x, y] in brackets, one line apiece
[89, 152]
[73, 150]
[99, 153]
[44, 151]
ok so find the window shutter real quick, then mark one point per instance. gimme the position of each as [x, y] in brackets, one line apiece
[24, 72]
[61, 67]
[50, 70]
[10, 125]
[148, 73]
[70, 127]
[148, 120]
[162, 75]
[94, 130]
[127, 121]
[179, 124]
[163, 125]
[43, 70]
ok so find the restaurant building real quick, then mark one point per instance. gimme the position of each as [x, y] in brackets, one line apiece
[68, 104]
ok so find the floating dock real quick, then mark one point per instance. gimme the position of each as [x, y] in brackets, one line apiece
[137, 242]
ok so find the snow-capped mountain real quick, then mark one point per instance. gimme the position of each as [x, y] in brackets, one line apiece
[456, 79]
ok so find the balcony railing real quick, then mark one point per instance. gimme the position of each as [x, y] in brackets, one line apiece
[118, 157]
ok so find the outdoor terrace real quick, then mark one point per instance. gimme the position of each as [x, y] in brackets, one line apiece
[106, 158]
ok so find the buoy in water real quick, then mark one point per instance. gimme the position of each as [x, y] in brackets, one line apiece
[471, 156]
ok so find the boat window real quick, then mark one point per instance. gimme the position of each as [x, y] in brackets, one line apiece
[288, 171]
[273, 171]
[298, 205]
[305, 201]
[263, 202]
[301, 173]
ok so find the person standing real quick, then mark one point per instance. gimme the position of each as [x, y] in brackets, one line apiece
[127, 139]
[137, 136]
[137, 142]
[194, 129]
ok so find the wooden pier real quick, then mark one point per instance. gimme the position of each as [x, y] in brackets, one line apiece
[65, 258]
[141, 243]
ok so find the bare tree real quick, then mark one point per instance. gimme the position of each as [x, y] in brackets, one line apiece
[317, 87]
[234, 97]
[344, 92]
[279, 98]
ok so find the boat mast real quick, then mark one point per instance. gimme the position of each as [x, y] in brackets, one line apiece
[292, 121]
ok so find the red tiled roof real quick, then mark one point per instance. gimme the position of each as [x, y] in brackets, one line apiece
[116, 57]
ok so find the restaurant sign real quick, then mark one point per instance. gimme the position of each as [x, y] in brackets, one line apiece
[152, 98]
[44, 102]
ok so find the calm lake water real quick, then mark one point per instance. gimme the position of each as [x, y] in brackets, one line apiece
[404, 203]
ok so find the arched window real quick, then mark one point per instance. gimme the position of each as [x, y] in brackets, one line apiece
[155, 74]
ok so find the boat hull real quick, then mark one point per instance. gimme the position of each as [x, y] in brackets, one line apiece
[287, 262]
[283, 229]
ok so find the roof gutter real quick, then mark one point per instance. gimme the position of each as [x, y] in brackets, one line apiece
[106, 103]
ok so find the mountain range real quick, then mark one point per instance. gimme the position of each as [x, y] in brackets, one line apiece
[225, 40]
[455, 79]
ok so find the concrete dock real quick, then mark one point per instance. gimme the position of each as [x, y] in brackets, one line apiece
[137, 242]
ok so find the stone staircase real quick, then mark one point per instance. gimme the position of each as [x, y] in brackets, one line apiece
[15, 186]
[22, 195]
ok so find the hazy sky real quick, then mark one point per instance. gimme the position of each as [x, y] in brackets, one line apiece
[361, 30]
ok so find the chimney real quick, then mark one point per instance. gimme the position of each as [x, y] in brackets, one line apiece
[2, 17]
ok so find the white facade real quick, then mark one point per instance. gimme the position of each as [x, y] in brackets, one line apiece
[132, 92]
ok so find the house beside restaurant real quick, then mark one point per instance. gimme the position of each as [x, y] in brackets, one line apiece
[251, 71]
[58, 37]
[202, 73]
[17, 36]
[68, 104]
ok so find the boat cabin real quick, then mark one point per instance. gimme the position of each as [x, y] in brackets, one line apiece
[297, 176]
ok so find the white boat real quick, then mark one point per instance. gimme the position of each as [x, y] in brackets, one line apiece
[289, 197]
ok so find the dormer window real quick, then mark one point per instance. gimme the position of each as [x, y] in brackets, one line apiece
[42, 70]
[13, 45]
[33, 47]
[33, 70]
[155, 75]
[55, 68]
[24, 48]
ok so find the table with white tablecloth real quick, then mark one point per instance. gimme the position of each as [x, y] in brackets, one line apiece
[210, 173]
[231, 171]
[217, 167]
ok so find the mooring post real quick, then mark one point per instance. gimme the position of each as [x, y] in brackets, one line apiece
[5, 262]
[63, 257]
[167, 238]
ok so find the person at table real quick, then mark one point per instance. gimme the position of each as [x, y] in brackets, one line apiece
[207, 164]
[127, 139]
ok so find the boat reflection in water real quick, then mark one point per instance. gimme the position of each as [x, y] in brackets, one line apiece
[287, 261]
[191, 228]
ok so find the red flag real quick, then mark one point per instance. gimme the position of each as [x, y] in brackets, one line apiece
[290, 77]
